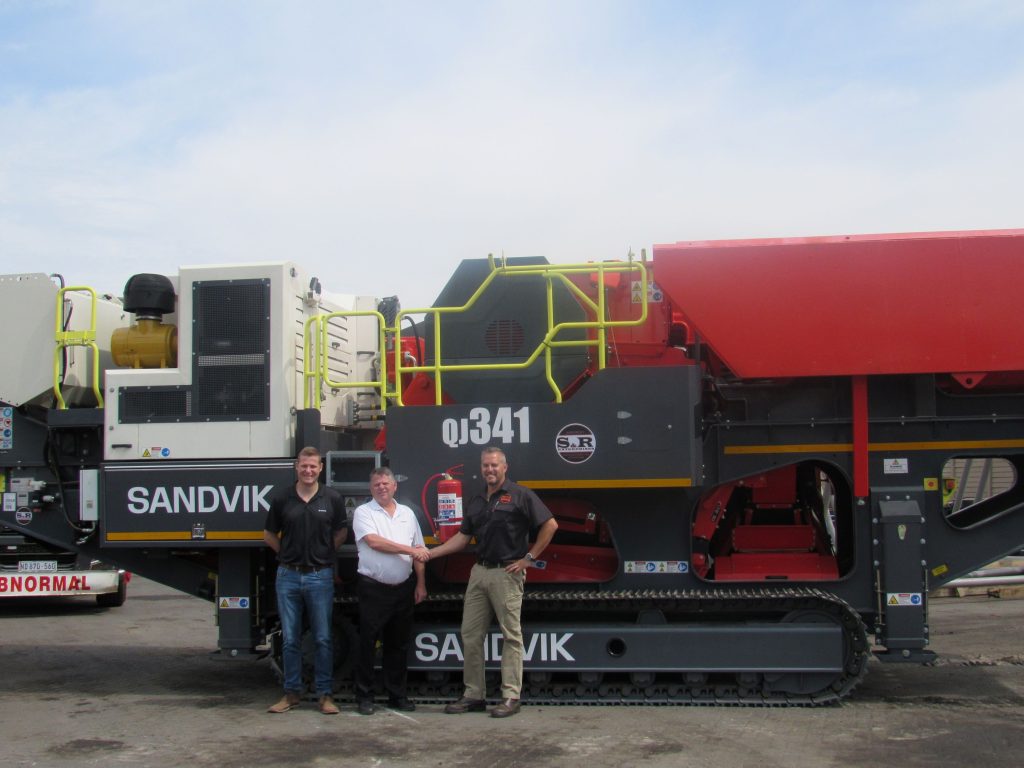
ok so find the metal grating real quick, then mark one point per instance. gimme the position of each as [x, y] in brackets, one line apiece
[231, 317]
[231, 392]
[139, 405]
[504, 337]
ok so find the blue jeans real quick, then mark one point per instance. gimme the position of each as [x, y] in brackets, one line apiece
[314, 593]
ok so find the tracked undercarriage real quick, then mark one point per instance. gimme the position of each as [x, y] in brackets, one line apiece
[748, 647]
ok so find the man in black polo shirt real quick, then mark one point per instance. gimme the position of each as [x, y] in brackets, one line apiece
[305, 526]
[500, 517]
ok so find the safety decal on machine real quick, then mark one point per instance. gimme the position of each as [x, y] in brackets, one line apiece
[895, 466]
[656, 566]
[6, 428]
[654, 294]
[156, 452]
[233, 602]
[10, 502]
[903, 598]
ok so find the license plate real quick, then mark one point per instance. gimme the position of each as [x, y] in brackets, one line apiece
[34, 566]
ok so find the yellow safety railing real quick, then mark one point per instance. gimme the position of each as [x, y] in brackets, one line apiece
[316, 371]
[601, 324]
[316, 374]
[65, 338]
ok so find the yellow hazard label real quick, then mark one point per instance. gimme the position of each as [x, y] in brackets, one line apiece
[224, 602]
[904, 598]
[939, 570]
[146, 454]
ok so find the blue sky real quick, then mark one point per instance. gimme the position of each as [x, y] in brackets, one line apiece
[378, 144]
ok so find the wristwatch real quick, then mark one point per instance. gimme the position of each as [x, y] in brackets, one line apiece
[529, 556]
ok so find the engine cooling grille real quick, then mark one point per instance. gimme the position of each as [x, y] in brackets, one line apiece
[504, 337]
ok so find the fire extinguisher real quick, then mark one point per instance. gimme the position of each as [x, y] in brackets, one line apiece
[449, 507]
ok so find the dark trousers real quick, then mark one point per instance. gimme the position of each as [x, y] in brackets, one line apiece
[385, 612]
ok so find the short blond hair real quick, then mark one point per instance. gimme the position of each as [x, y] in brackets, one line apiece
[308, 451]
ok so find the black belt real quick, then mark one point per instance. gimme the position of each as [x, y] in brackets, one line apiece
[304, 568]
[371, 580]
[493, 563]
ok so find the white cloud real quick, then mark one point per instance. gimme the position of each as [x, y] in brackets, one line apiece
[379, 148]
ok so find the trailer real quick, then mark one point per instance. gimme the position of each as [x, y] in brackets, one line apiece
[745, 444]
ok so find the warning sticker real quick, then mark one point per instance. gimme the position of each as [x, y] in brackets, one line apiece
[232, 602]
[6, 428]
[656, 566]
[903, 598]
[654, 294]
[895, 466]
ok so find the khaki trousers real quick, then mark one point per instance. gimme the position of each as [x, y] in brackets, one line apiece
[492, 592]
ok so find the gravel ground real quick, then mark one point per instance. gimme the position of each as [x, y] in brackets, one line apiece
[137, 685]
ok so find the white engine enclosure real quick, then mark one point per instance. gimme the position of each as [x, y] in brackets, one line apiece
[353, 354]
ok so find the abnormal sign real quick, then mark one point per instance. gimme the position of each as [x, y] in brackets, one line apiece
[54, 584]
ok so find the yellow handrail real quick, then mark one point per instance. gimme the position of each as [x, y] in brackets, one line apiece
[549, 272]
[316, 372]
[86, 338]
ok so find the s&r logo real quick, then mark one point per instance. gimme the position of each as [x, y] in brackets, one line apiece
[575, 443]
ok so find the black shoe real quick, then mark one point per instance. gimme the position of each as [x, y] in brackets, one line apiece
[402, 704]
[465, 705]
[507, 708]
[365, 707]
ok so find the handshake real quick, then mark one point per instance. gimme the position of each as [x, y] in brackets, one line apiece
[420, 554]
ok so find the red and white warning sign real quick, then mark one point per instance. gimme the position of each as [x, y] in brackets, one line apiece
[55, 584]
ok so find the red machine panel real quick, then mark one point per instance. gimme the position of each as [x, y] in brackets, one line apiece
[942, 302]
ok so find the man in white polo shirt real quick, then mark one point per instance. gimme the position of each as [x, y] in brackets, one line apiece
[391, 555]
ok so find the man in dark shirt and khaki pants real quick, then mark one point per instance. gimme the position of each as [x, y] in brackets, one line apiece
[500, 518]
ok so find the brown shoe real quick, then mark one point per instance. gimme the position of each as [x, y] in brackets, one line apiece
[327, 706]
[463, 704]
[288, 701]
[507, 708]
